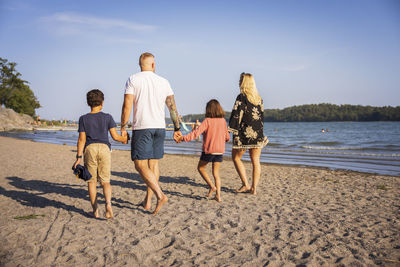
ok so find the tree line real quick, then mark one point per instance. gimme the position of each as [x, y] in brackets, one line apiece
[322, 113]
[15, 93]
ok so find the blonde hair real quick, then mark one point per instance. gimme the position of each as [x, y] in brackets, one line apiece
[248, 87]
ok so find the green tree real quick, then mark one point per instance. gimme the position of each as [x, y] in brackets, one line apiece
[15, 93]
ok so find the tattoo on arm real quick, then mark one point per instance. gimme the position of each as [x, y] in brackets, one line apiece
[170, 102]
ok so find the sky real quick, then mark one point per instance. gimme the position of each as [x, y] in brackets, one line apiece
[299, 51]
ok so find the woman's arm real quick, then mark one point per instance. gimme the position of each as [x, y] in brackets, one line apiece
[236, 115]
[227, 136]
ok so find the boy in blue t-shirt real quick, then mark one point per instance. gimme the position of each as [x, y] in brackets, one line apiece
[93, 143]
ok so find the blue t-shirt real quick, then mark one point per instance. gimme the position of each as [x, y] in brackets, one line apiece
[96, 127]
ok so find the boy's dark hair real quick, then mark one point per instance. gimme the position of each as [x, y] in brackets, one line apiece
[214, 109]
[94, 98]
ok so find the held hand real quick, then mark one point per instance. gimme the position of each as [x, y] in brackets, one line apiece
[124, 135]
[77, 161]
[178, 136]
[127, 138]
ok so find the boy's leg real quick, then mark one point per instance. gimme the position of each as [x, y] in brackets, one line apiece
[154, 167]
[104, 173]
[201, 167]
[91, 164]
[215, 170]
[107, 195]
[92, 188]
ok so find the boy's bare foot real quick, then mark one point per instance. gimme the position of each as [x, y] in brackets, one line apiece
[160, 202]
[212, 190]
[243, 189]
[253, 191]
[95, 213]
[109, 212]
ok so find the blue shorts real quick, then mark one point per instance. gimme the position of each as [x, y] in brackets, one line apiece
[147, 144]
[210, 157]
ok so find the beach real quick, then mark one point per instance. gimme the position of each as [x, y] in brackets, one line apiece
[300, 216]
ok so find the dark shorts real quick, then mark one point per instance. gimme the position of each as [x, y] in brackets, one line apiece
[147, 144]
[210, 157]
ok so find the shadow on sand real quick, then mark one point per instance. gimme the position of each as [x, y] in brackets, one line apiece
[33, 191]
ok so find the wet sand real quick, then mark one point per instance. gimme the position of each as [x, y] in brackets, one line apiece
[301, 216]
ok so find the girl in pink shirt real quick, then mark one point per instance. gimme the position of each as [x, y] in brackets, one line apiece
[215, 134]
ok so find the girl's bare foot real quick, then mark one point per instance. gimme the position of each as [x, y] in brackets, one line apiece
[217, 198]
[212, 190]
[109, 212]
[160, 202]
[243, 189]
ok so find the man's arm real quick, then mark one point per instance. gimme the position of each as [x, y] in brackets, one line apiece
[173, 112]
[170, 102]
[126, 112]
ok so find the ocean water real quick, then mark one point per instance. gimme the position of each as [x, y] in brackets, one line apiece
[372, 147]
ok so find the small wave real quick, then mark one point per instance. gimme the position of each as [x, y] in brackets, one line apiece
[333, 148]
[326, 143]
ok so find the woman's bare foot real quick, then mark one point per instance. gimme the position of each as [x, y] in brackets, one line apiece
[243, 189]
[95, 213]
[253, 191]
[212, 190]
[160, 202]
[109, 212]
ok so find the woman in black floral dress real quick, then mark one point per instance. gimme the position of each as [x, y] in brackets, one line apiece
[246, 124]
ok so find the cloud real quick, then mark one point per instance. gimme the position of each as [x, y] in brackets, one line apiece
[294, 68]
[115, 30]
[96, 22]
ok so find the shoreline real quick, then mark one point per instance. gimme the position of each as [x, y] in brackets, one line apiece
[244, 159]
[300, 216]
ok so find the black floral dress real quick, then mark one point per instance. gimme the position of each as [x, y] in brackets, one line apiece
[247, 124]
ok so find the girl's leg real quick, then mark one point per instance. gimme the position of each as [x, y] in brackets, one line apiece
[107, 196]
[215, 170]
[92, 188]
[237, 160]
[255, 160]
[201, 167]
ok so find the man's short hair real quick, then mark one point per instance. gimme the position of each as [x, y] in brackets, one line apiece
[143, 57]
[94, 98]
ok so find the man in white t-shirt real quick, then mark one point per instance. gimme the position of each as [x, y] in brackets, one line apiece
[148, 93]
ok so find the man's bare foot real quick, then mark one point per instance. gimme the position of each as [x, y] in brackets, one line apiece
[146, 204]
[95, 212]
[160, 202]
[212, 190]
[243, 189]
[109, 212]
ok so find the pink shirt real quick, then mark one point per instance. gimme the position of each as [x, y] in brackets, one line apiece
[215, 134]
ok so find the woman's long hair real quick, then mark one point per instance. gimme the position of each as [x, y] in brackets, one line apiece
[248, 87]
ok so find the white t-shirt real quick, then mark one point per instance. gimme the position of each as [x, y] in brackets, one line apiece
[150, 91]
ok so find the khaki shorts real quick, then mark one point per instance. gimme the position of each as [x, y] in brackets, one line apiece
[97, 159]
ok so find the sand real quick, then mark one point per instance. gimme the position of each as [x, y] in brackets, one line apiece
[301, 216]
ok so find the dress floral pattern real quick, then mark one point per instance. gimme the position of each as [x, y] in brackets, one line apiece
[246, 124]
